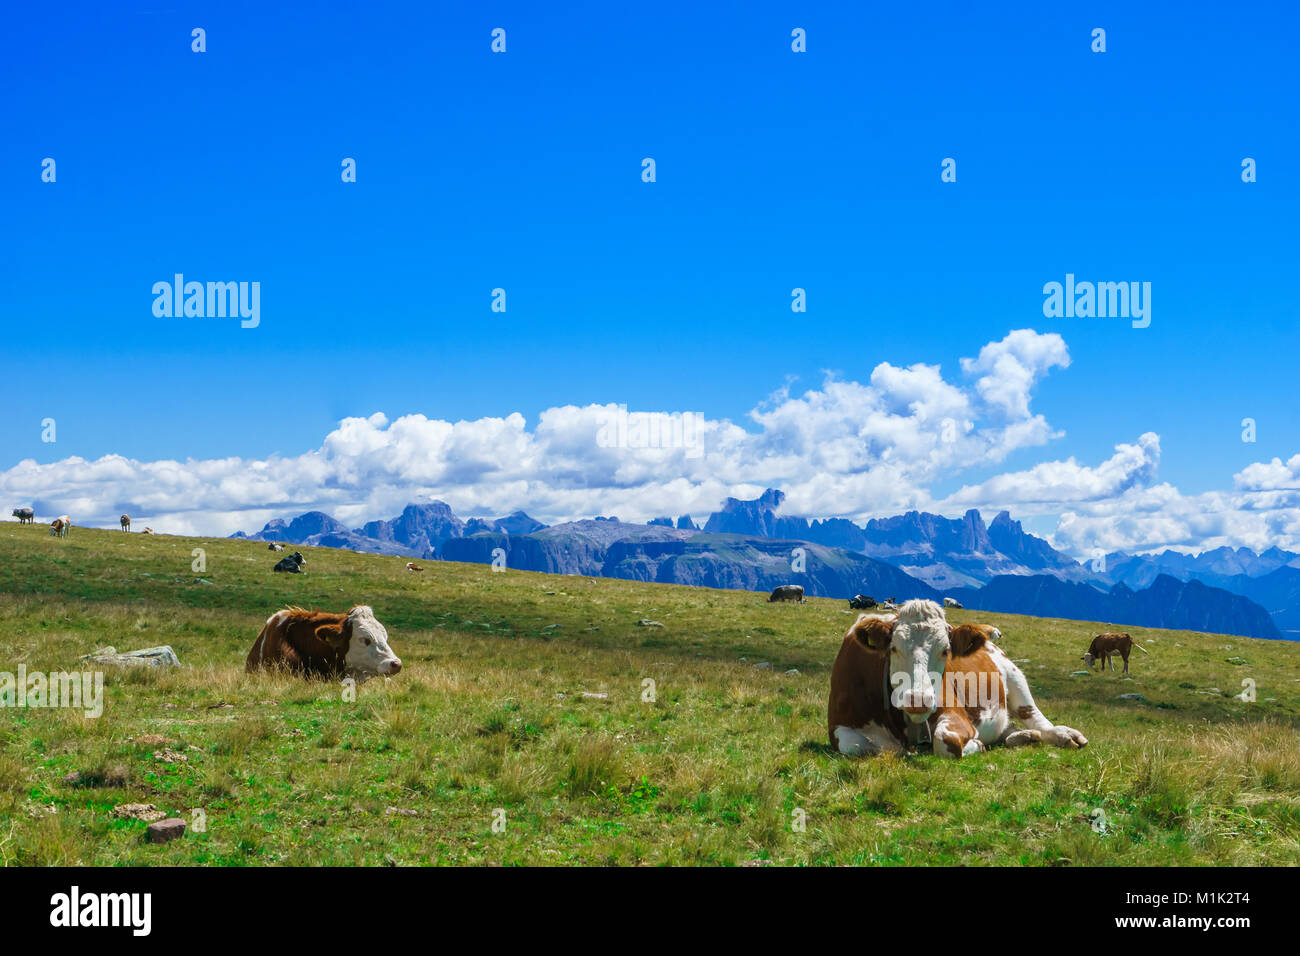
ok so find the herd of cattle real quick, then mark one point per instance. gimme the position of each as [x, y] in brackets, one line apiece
[904, 677]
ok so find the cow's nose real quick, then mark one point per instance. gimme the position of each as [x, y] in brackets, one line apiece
[394, 667]
[916, 711]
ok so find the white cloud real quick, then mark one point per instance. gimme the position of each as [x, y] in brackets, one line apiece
[845, 448]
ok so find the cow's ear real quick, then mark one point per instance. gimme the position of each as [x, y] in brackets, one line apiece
[874, 632]
[965, 639]
[334, 634]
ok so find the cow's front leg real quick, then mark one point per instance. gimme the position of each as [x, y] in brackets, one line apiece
[955, 736]
[1021, 704]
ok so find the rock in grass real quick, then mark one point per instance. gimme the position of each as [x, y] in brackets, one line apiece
[162, 656]
[164, 831]
[1138, 697]
[138, 811]
[1080, 673]
[646, 622]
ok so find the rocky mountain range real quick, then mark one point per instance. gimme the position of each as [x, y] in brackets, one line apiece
[750, 544]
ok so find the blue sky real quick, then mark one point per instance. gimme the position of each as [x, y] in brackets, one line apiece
[522, 171]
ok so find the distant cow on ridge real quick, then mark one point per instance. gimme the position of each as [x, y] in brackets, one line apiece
[1105, 646]
[860, 602]
[25, 515]
[787, 592]
[60, 526]
[125, 521]
[292, 564]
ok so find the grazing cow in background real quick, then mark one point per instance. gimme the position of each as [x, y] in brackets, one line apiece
[60, 526]
[275, 547]
[125, 521]
[148, 531]
[320, 644]
[25, 515]
[952, 603]
[787, 592]
[412, 566]
[860, 602]
[1105, 646]
[884, 696]
[292, 563]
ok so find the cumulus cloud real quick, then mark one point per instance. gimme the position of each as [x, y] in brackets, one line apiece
[843, 448]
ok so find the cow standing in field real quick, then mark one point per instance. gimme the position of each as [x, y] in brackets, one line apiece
[148, 531]
[902, 678]
[60, 526]
[125, 522]
[412, 566]
[787, 592]
[320, 644]
[25, 515]
[1105, 646]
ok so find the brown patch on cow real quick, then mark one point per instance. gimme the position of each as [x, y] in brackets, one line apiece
[954, 743]
[1024, 713]
[859, 684]
[314, 643]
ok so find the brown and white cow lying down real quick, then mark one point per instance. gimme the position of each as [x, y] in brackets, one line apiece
[320, 644]
[900, 675]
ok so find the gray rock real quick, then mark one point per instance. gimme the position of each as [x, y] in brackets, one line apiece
[1138, 697]
[164, 831]
[1080, 673]
[646, 622]
[792, 672]
[162, 656]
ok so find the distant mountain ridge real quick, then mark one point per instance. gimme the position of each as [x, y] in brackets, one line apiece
[748, 544]
[1167, 603]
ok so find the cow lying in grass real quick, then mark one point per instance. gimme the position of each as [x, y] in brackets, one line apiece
[1105, 646]
[291, 564]
[903, 678]
[320, 644]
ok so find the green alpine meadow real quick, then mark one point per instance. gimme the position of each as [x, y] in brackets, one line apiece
[565, 720]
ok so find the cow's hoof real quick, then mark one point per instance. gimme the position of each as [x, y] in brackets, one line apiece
[1069, 738]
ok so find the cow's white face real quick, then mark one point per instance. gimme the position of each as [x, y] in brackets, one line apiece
[368, 650]
[918, 652]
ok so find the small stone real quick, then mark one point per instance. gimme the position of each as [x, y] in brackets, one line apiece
[587, 693]
[72, 779]
[763, 665]
[1079, 673]
[138, 811]
[792, 672]
[646, 622]
[401, 812]
[164, 831]
[1137, 697]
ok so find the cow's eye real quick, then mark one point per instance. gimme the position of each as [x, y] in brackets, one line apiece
[367, 642]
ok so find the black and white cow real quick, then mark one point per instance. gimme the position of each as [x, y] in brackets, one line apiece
[292, 564]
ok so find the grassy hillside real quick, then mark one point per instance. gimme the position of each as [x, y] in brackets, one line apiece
[490, 713]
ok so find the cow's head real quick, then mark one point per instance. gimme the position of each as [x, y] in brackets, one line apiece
[298, 558]
[918, 649]
[368, 650]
